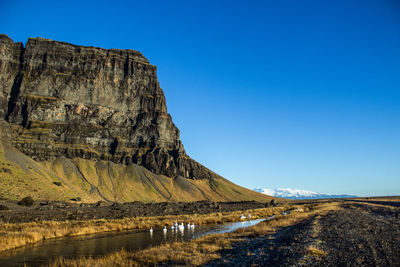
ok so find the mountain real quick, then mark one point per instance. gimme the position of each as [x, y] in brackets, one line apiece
[291, 193]
[92, 122]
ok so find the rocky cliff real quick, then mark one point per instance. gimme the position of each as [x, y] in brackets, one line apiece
[90, 124]
[61, 99]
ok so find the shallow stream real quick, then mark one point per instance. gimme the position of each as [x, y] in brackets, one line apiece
[100, 244]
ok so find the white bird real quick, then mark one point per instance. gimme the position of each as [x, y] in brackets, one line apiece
[249, 216]
[188, 225]
[172, 227]
[180, 227]
[243, 217]
[165, 232]
[151, 230]
[192, 226]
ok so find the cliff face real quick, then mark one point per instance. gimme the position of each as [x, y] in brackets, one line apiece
[60, 99]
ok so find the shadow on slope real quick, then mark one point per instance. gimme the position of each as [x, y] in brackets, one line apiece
[91, 181]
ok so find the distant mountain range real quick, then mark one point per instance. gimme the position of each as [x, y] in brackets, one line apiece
[297, 193]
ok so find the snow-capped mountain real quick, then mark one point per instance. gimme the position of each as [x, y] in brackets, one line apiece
[296, 193]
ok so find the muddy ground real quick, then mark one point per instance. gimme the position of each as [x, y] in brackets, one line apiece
[59, 211]
[357, 235]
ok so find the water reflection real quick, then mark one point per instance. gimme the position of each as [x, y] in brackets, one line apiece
[100, 244]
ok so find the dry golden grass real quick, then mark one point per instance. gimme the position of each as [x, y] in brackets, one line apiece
[14, 235]
[315, 253]
[202, 250]
[390, 198]
[196, 252]
[267, 227]
[376, 205]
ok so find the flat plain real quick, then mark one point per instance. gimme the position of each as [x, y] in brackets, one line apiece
[338, 232]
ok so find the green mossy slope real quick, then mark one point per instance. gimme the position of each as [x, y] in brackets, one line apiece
[91, 181]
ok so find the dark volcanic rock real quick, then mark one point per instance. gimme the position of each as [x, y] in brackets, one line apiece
[61, 211]
[26, 201]
[2, 207]
[88, 102]
[10, 61]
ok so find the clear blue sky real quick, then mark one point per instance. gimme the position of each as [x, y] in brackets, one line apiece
[302, 94]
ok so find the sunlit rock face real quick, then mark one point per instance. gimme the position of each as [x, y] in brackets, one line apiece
[61, 99]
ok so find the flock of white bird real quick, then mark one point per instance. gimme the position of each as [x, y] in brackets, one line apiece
[176, 226]
[181, 227]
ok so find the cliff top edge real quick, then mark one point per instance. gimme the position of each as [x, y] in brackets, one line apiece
[37, 41]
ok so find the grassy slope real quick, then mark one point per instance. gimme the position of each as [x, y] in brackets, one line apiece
[92, 181]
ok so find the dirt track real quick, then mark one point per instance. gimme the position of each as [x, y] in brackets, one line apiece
[285, 248]
[358, 235]
[362, 236]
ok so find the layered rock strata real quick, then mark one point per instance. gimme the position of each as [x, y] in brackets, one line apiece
[60, 99]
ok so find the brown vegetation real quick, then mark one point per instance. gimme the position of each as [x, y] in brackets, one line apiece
[202, 250]
[14, 235]
[386, 198]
